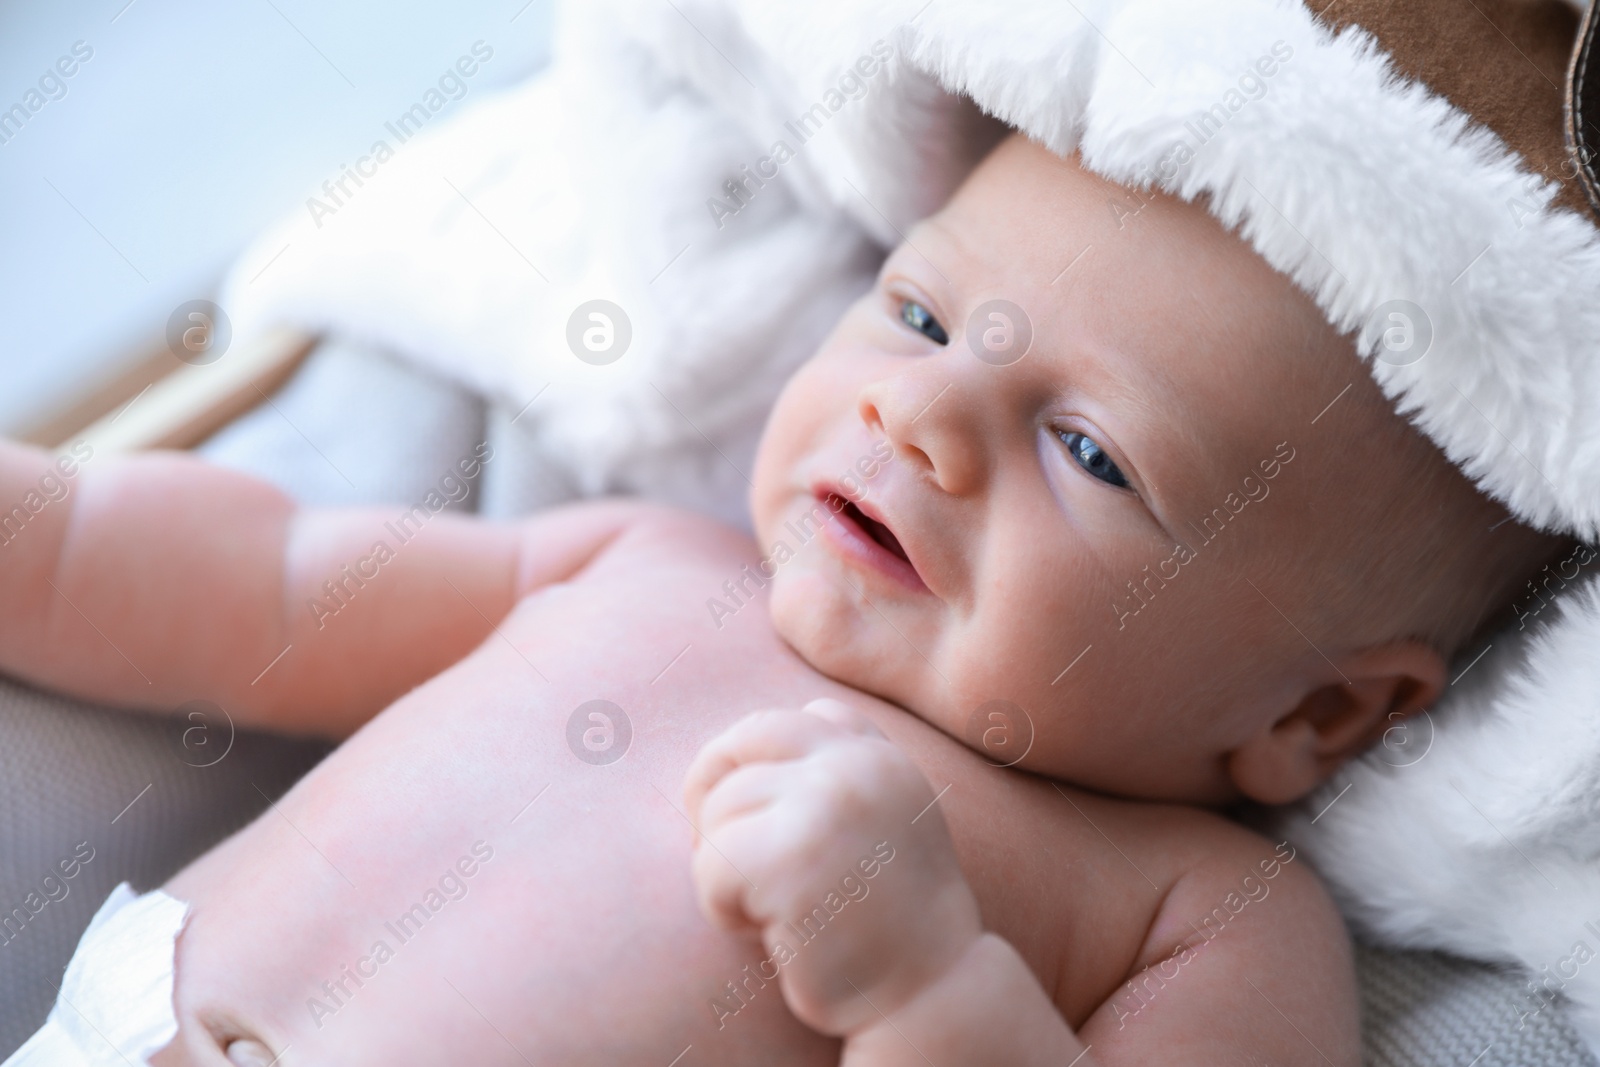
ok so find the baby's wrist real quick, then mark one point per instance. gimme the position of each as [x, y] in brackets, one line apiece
[984, 1007]
[951, 925]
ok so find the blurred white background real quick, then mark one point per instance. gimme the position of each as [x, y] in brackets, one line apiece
[192, 126]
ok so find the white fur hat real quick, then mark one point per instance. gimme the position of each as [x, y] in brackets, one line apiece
[1468, 270]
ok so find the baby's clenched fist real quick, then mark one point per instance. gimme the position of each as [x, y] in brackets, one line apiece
[819, 832]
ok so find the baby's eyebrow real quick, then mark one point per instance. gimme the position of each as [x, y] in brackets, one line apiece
[934, 244]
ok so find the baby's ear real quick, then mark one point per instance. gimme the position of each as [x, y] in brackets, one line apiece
[1335, 720]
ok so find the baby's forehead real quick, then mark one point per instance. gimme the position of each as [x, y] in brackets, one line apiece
[1027, 208]
[1138, 276]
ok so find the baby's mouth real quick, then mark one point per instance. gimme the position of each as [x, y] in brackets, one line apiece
[870, 541]
[874, 529]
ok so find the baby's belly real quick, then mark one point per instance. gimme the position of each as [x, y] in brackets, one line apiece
[472, 879]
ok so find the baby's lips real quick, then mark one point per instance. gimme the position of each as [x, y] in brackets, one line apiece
[867, 526]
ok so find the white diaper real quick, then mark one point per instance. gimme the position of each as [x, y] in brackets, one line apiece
[115, 1002]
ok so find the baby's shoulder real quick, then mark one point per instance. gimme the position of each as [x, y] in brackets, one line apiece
[636, 526]
[562, 544]
[1243, 931]
[1221, 875]
[1194, 838]
[1183, 841]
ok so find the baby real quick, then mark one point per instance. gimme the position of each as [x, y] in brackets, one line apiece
[1020, 625]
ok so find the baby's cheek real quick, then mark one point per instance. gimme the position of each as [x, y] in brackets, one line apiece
[1013, 668]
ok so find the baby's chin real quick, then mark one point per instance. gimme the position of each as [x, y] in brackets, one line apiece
[811, 612]
[825, 623]
[840, 636]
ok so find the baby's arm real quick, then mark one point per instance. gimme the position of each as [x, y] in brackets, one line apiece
[1248, 961]
[160, 579]
[786, 801]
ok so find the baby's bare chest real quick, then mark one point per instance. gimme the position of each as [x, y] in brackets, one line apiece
[565, 738]
[658, 659]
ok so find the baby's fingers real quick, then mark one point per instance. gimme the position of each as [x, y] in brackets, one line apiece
[761, 737]
[722, 889]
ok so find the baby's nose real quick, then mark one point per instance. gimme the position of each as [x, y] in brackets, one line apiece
[247, 1053]
[921, 415]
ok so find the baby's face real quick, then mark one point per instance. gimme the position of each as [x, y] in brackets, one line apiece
[1158, 431]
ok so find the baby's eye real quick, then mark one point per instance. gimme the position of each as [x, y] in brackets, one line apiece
[918, 318]
[1092, 458]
